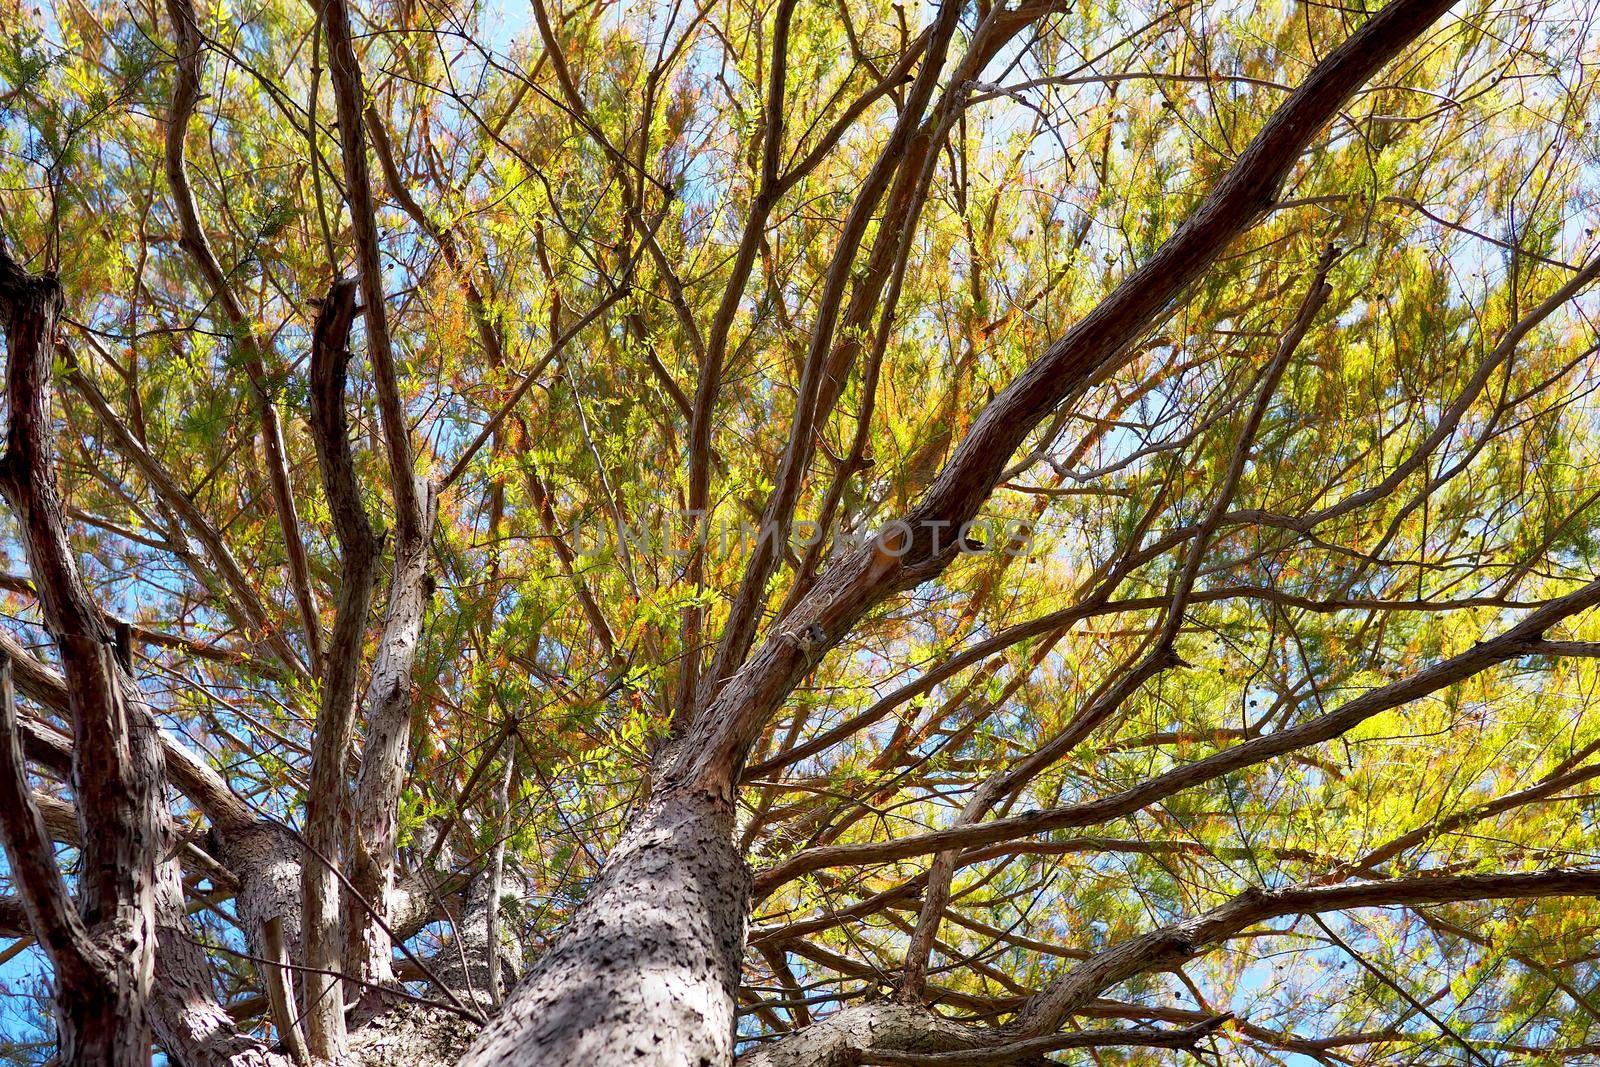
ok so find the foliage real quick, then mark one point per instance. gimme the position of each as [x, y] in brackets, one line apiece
[1446, 477]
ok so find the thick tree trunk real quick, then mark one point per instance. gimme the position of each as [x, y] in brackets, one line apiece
[190, 1025]
[648, 970]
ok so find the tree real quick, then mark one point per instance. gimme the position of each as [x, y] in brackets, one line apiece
[821, 535]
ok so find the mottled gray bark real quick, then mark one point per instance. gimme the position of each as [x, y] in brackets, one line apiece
[478, 948]
[265, 857]
[837, 1040]
[648, 970]
[386, 753]
[410, 1035]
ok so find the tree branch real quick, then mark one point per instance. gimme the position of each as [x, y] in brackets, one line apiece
[906, 555]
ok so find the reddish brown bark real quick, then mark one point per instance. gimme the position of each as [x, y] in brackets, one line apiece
[103, 944]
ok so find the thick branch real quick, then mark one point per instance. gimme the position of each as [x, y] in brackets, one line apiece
[349, 96]
[389, 691]
[906, 555]
[44, 901]
[327, 809]
[117, 772]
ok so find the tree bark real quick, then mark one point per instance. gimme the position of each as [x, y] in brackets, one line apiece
[327, 803]
[839, 1039]
[368, 947]
[647, 972]
[104, 947]
[190, 1025]
[128, 922]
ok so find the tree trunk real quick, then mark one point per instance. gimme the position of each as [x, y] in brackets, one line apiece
[648, 970]
[190, 1025]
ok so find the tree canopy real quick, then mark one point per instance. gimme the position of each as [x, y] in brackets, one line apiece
[1095, 497]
